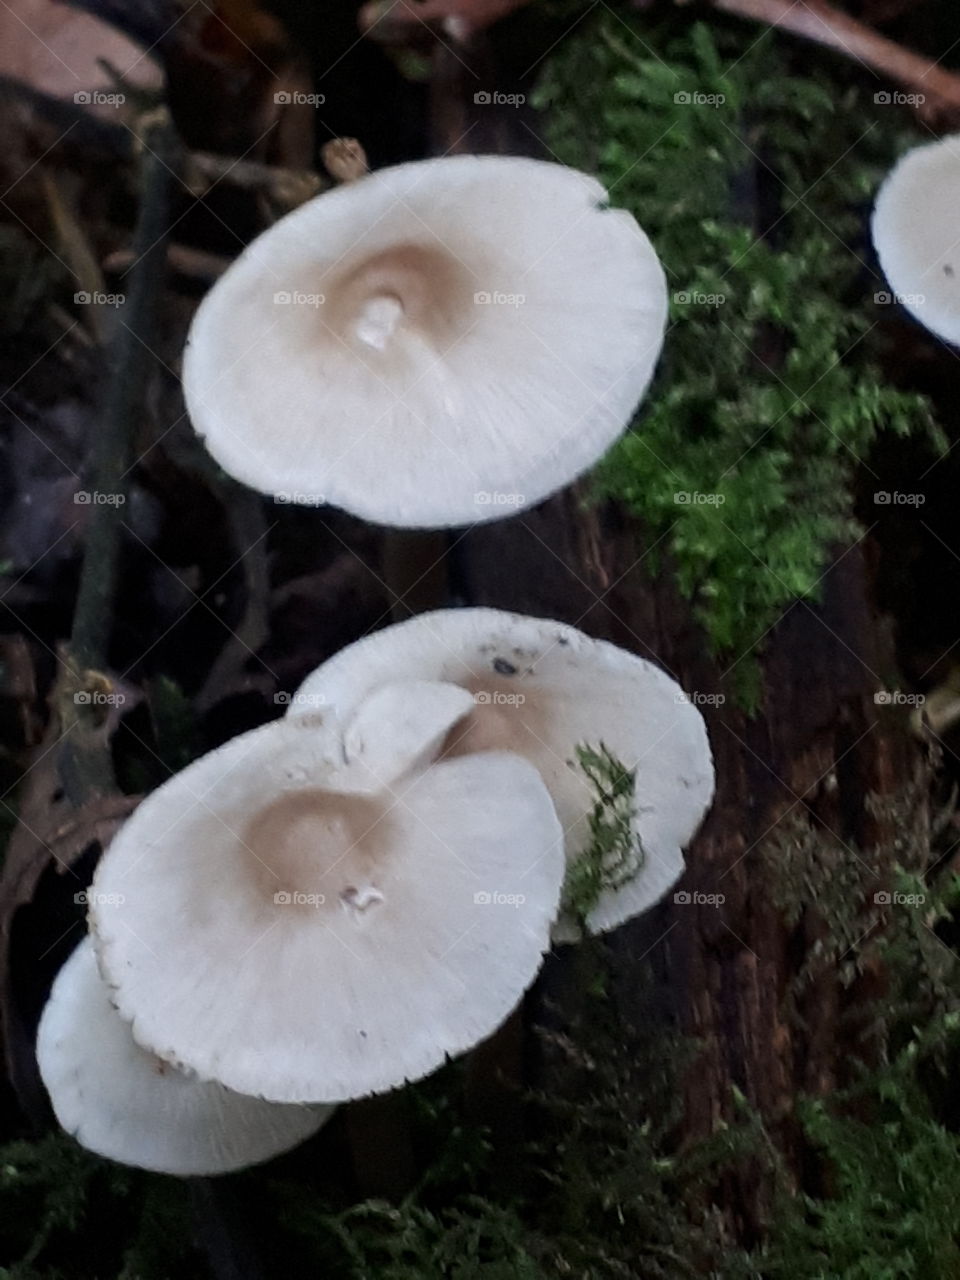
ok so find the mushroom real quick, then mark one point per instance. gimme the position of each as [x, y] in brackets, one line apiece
[304, 929]
[543, 689]
[916, 233]
[434, 344]
[122, 1102]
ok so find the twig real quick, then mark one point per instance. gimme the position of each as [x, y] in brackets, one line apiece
[197, 264]
[829, 26]
[287, 187]
[67, 129]
[130, 366]
[86, 758]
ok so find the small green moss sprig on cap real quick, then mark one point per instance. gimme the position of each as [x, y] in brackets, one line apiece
[614, 855]
[541, 690]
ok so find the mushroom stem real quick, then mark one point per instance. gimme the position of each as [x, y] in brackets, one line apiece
[415, 571]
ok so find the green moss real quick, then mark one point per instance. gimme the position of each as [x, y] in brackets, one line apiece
[894, 1175]
[614, 854]
[755, 194]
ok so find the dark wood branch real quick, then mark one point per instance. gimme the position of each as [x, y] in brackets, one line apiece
[830, 27]
[85, 761]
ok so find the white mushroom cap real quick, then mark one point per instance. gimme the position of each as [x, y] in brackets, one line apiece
[304, 944]
[400, 727]
[916, 232]
[453, 338]
[542, 689]
[122, 1102]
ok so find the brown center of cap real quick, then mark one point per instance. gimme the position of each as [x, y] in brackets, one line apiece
[422, 287]
[312, 847]
[507, 714]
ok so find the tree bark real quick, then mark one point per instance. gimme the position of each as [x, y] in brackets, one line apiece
[820, 765]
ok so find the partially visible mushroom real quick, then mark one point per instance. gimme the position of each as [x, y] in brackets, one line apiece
[299, 933]
[432, 345]
[122, 1102]
[543, 689]
[916, 232]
